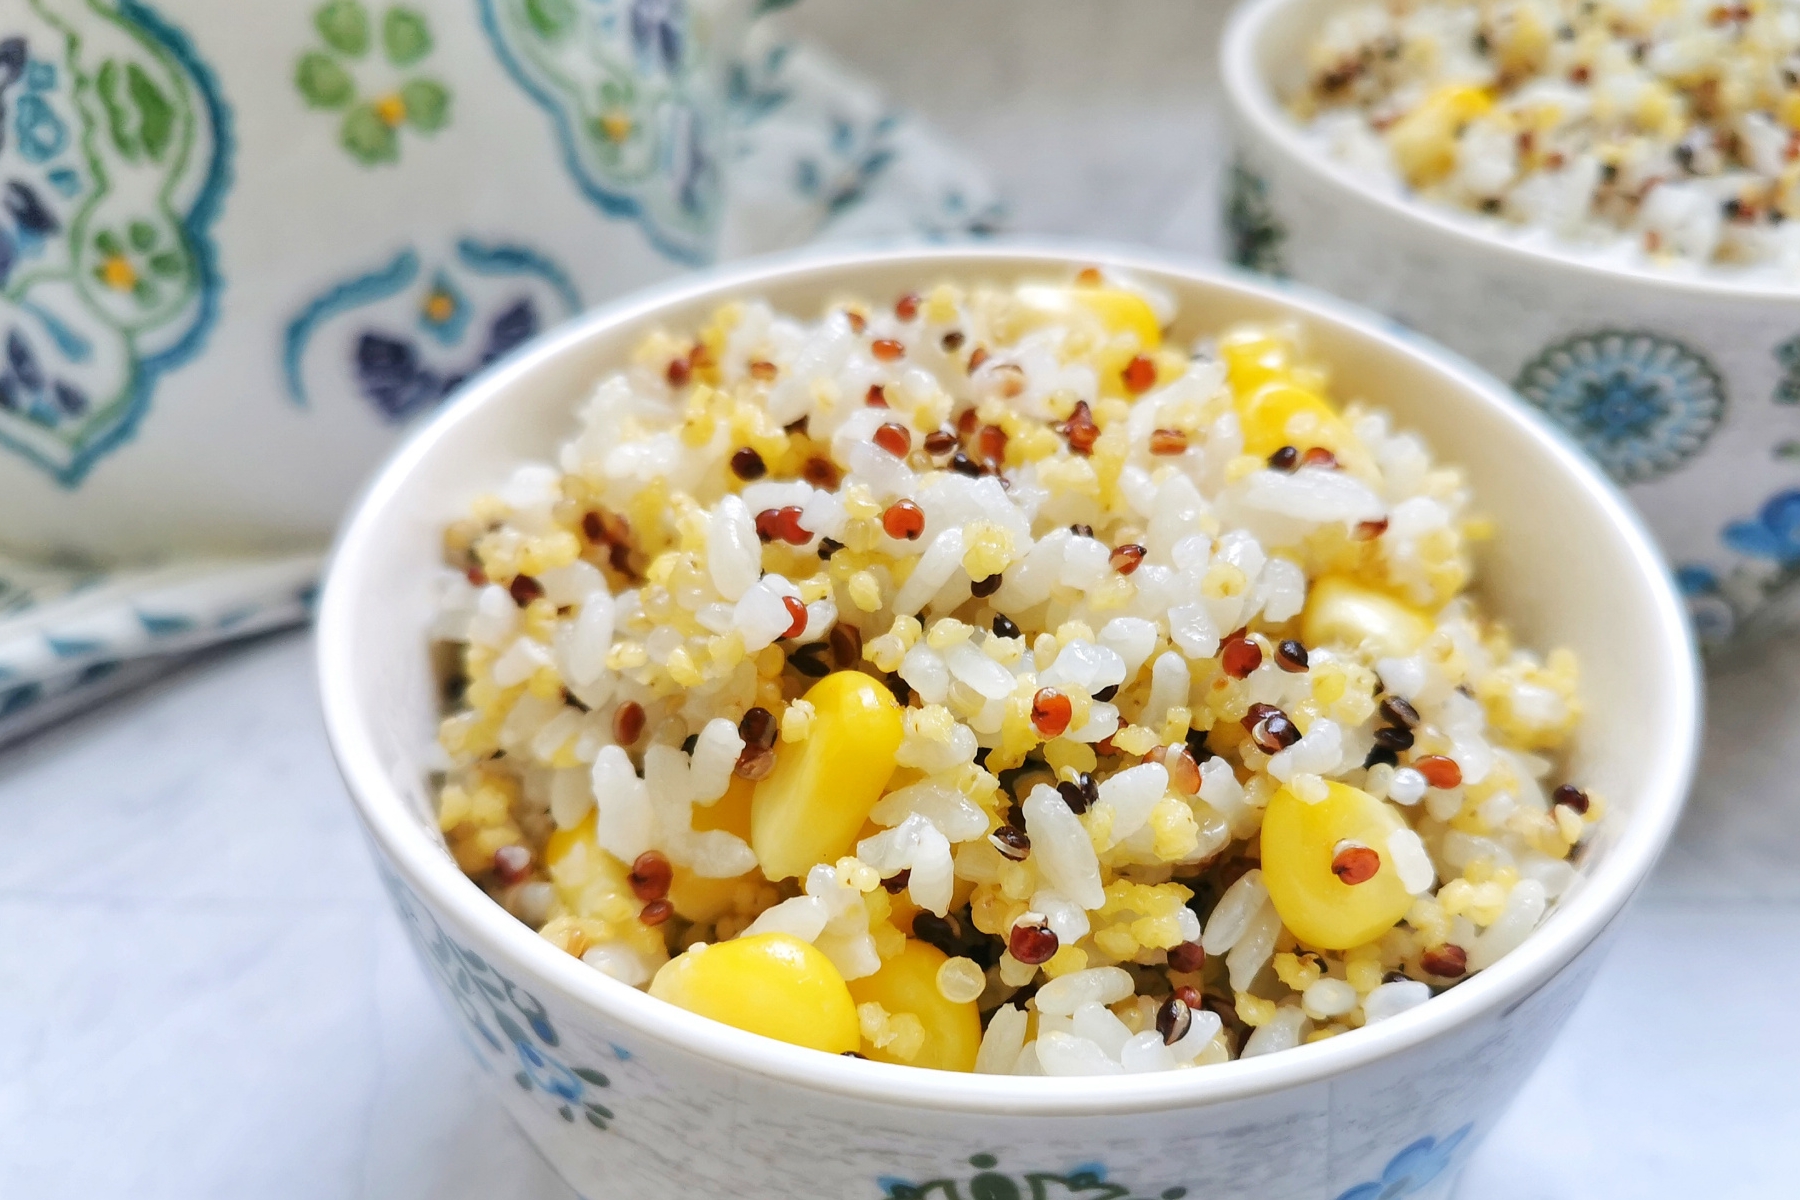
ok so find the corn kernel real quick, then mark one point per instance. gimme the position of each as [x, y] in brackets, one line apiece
[1300, 845]
[948, 1032]
[813, 804]
[772, 984]
[1423, 141]
[1341, 612]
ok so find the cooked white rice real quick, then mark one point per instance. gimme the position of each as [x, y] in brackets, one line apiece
[1132, 597]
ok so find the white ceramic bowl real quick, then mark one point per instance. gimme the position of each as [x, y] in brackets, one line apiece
[1681, 386]
[629, 1096]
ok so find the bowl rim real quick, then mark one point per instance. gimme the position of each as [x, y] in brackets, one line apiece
[1251, 99]
[424, 865]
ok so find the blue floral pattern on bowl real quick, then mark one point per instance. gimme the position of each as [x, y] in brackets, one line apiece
[1641, 404]
[623, 84]
[1408, 1172]
[1088, 1181]
[1742, 597]
[508, 1020]
[403, 336]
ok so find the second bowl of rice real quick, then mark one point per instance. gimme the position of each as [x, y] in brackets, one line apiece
[1590, 201]
[1031, 720]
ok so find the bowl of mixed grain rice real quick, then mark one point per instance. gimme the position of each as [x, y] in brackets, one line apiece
[1033, 719]
[1590, 198]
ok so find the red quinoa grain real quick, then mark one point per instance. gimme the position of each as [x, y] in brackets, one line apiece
[895, 439]
[1354, 864]
[904, 520]
[797, 611]
[1448, 961]
[1050, 712]
[1032, 944]
[650, 877]
[1139, 375]
[1439, 772]
[628, 723]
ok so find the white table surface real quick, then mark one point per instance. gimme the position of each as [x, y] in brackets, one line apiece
[203, 992]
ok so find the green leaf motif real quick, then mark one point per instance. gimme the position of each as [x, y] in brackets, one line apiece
[322, 82]
[405, 36]
[551, 19]
[107, 242]
[168, 264]
[142, 234]
[592, 1076]
[427, 104]
[367, 137]
[117, 120]
[344, 24]
[156, 115]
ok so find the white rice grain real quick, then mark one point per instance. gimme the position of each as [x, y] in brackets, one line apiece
[1061, 849]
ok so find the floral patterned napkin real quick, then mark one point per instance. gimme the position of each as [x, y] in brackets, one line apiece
[820, 155]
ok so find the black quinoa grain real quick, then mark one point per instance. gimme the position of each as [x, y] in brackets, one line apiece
[1004, 627]
[1290, 656]
[810, 660]
[943, 932]
[757, 727]
[1011, 842]
[1394, 738]
[1395, 710]
[747, 464]
[1572, 798]
[1173, 1020]
[984, 588]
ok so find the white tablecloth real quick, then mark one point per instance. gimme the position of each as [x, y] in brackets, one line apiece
[203, 992]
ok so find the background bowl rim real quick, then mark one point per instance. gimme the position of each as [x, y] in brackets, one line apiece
[426, 868]
[1249, 96]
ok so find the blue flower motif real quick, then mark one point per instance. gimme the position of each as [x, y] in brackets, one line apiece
[487, 999]
[1641, 404]
[1774, 533]
[1694, 580]
[1411, 1169]
[657, 28]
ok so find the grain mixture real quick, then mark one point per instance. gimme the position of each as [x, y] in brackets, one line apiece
[1661, 131]
[982, 682]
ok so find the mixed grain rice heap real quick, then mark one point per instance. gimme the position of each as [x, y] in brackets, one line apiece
[1666, 130]
[984, 683]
